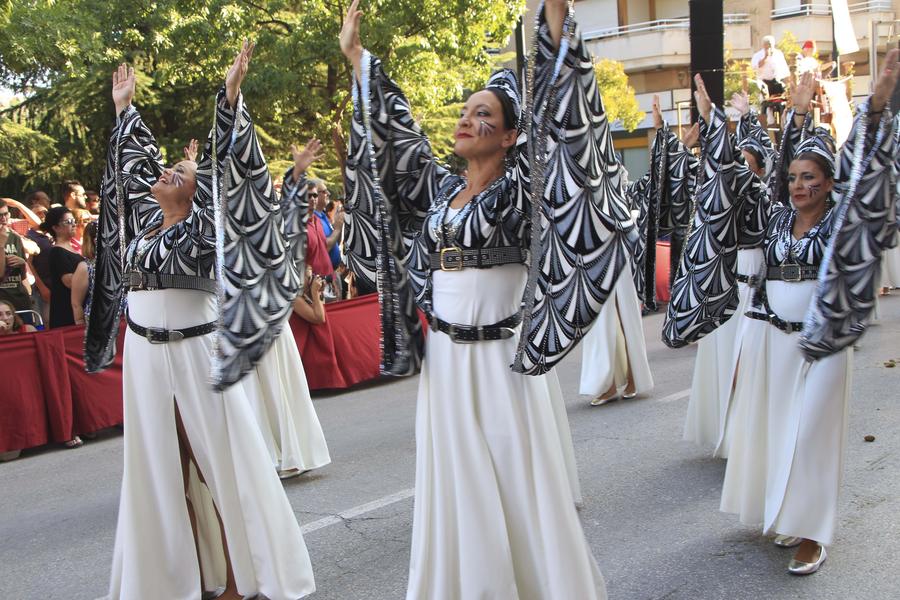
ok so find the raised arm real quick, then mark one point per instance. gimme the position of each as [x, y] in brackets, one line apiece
[583, 235]
[704, 292]
[864, 226]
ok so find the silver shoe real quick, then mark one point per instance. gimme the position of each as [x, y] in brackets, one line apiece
[601, 400]
[797, 567]
[787, 541]
[629, 395]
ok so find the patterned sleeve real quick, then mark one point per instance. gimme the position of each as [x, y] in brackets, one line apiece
[677, 175]
[582, 233]
[750, 127]
[391, 179]
[643, 211]
[865, 225]
[133, 164]
[704, 292]
[256, 270]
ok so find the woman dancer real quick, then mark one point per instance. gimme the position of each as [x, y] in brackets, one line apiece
[201, 508]
[715, 367]
[494, 515]
[283, 406]
[784, 468]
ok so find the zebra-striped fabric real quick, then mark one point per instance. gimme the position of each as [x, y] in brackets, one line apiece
[397, 197]
[259, 270]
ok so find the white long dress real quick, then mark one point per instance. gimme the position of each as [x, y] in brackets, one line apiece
[890, 267]
[715, 367]
[494, 512]
[615, 343]
[789, 430]
[284, 409]
[154, 554]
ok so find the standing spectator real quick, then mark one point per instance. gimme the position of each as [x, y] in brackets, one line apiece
[82, 217]
[84, 272]
[92, 202]
[73, 195]
[772, 68]
[316, 244]
[39, 263]
[63, 261]
[13, 266]
[331, 229]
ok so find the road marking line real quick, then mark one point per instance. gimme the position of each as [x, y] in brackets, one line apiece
[357, 511]
[675, 396]
[408, 493]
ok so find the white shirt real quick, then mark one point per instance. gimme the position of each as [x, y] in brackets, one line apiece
[808, 64]
[775, 67]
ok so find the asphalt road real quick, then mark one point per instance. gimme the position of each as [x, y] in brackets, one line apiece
[650, 512]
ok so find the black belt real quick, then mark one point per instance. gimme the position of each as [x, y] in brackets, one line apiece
[455, 259]
[138, 281]
[157, 335]
[792, 273]
[744, 278]
[469, 334]
[785, 326]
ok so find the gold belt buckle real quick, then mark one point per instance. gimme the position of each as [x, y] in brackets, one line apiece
[444, 252]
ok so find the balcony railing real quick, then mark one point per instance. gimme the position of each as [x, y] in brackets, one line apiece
[658, 25]
[824, 9]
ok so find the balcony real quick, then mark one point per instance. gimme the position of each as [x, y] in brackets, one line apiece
[813, 21]
[662, 43]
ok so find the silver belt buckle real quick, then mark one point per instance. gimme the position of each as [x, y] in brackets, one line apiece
[508, 330]
[791, 273]
[172, 336]
[453, 333]
[444, 252]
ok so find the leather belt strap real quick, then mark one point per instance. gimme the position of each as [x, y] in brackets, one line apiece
[455, 259]
[139, 281]
[785, 326]
[792, 273]
[469, 334]
[743, 278]
[156, 335]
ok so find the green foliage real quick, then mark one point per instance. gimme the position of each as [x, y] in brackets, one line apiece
[618, 97]
[60, 54]
[739, 76]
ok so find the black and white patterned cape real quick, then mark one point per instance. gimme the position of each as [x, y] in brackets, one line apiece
[233, 235]
[574, 222]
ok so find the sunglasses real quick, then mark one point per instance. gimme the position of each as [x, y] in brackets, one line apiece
[313, 195]
[67, 222]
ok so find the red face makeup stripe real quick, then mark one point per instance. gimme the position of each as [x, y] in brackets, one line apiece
[813, 189]
[485, 129]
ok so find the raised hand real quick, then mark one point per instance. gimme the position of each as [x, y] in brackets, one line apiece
[123, 87]
[351, 45]
[237, 72]
[802, 94]
[304, 158]
[701, 96]
[657, 113]
[740, 101]
[887, 81]
[691, 136]
[190, 151]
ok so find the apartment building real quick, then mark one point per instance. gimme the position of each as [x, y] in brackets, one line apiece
[651, 38]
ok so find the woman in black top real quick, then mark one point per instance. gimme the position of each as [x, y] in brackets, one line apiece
[63, 261]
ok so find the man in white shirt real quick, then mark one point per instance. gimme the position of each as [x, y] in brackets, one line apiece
[771, 66]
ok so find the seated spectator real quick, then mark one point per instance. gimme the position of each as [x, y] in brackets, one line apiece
[63, 262]
[13, 266]
[316, 245]
[309, 305]
[10, 322]
[81, 279]
[92, 202]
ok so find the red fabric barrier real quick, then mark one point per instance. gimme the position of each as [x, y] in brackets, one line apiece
[662, 272]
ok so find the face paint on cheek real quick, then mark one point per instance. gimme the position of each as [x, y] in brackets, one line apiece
[814, 189]
[177, 179]
[485, 129]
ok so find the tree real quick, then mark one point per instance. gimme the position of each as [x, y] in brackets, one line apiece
[59, 53]
[619, 99]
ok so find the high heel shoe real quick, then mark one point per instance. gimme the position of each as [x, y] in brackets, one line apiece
[798, 567]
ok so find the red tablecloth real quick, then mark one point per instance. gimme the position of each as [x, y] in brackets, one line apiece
[45, 395]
